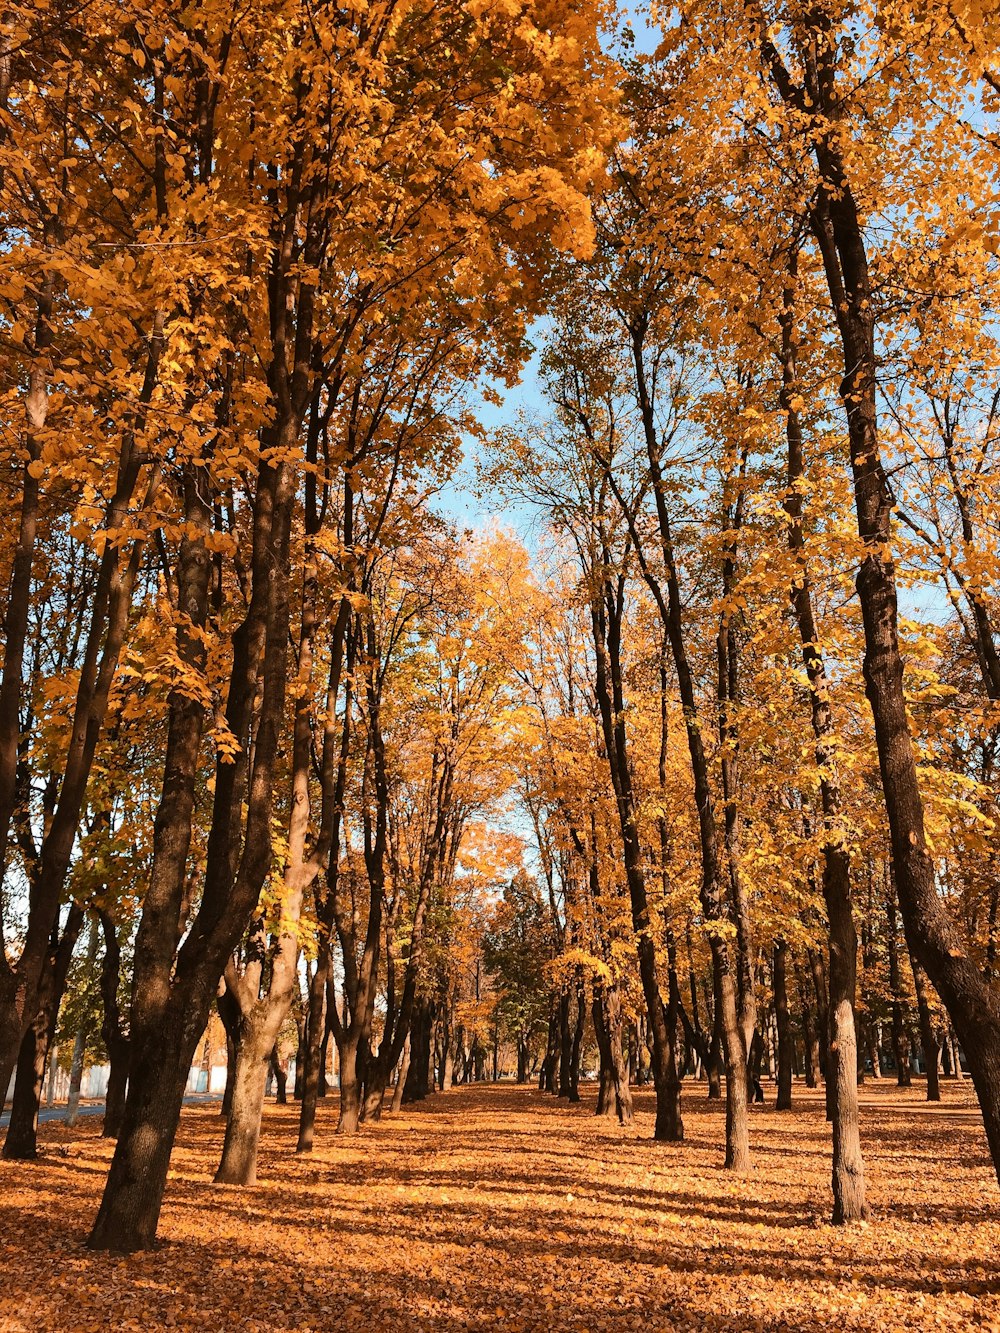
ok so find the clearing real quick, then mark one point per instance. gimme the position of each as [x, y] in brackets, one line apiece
[496, 1207]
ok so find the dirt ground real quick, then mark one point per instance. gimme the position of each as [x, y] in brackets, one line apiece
[500, 1208]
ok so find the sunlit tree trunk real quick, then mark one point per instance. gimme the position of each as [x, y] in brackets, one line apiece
[840, 1029]
[973, 1005]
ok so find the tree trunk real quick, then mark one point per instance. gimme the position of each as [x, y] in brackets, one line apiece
[350, 1089]
[130, 1208]
[956, 1056]
[605, 1086]
[401, 1072]
[522, 1059]
[229, 1013]
[835, 1003]
[810, 1038]
[37, 1046]
[737, 1120]
[239, 1150]
[619, 1066]
[784, 1100]
[417, 1083]
[307, 1065]
[75, 1079]
[900, 1041]
[21, 1143]
[928, 1037]
[115, 1042]
[280, 1075]
[114, 1096]
[565, 1047]
[576, 1047]
[376, 1081]
[547, 1075]
[974, 1007]
[713, 1067]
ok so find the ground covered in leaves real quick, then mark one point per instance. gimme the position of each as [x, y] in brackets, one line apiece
[499, 1208]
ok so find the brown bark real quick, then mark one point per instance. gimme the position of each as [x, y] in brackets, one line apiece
[783, 1023]
[20, 1142]
[670, 607]
[929, 1040]
[842, 1047]
[606, 620]
[974, 1007]
[174, 986]
[809, 1036]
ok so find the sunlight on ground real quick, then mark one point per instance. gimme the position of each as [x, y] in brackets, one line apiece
[502, 1208]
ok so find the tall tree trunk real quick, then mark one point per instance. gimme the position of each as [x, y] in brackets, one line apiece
[606, 622]
[114, 1096]
[350, 1088]
[175, 983]
[309, 1050]
[239, 1151]
[809, 1037]
[577, 1046]
[80, 1042]
[928, 1037]
[605, 1086]
[565, 1046]
[973, 1005]
[547, 1074]
[130, 1211]
[839, 1025]
[900, 1040]
[784, 1101]
[280, 1076]
[115, 1042]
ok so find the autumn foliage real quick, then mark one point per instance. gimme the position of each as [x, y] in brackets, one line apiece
[678, 769]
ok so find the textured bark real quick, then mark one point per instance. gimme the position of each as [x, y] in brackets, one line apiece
[239, 1152]
[280, 1076]
[973, 1005]
[547, 1074]
[401, 1072]
[114, 1096]
[175, 984]
[727, 694]
[21, 1141]
[576, 1046]
[565, 1045]
[839, 997]
[133, 1195]
[670, 606]
[606, 622]
[350, 1089]
[419, 1081]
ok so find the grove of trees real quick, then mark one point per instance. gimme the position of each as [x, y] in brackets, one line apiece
[682, 771]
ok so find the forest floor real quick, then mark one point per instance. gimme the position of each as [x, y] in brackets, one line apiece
[500, 1208]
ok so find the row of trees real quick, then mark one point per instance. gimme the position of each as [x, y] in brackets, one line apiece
[752, 318]
[252, 261]
[267, 720]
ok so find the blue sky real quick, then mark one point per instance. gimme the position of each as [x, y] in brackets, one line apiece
[459, 501]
